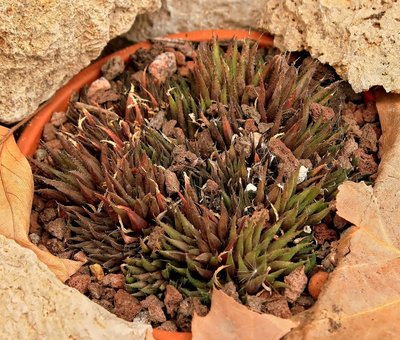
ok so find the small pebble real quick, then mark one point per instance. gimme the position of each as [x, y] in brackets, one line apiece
[126, 305]
[80, 282]
[163, 66]
[316, 283]
[58, 119]
[114, 280]
[113, 68]
[57, 228]
[35, 238]
[97, 271]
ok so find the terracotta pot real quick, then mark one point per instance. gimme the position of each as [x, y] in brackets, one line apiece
[30, 137]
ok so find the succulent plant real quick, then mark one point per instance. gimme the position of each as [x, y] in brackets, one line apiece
[209, 178]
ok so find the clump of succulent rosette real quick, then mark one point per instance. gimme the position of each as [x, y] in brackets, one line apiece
[213, 177]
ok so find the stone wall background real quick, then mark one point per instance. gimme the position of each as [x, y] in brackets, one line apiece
[360, 39]
[181, 15]
[43, 43]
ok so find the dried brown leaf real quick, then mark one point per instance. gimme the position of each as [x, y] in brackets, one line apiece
[362, 297]
[229, 319]
[16, 193]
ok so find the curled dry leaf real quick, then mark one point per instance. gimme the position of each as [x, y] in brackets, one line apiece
[362, 297]
[16, 192]
[229, 319]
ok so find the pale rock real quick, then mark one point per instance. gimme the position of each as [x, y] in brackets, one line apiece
[44, 43]
[360, 39]
[36, 305]
[182, 16]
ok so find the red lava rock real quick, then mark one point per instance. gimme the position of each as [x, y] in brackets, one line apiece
[154, 306]
[255, 303]
[183, 158]
[211, 187]
[276, 305]
[100, 92]
[244, 145]
[55, 246]
[318, 110]
[49, 132]
[34, 226]
[105, 304]
[185, 312]
[48, 215]
[305, 301]
[199, 308]
[358, 117]
[369, 138]
[297, 282]
[370, 114]
[296, 309]
[95, 290]
[126, 305]
[113, 68]
[180, 58]
[114, 280]
[80, 282]
[163, 66]
[58, 119]
[179, 135]
[168, 326]
[354, 128]
[347, 153]
[171, 182]
[101, 84]
[322, 233]
[289, 162]
[339, 222]
[108, 294]
[158, 120]
[365, 163]
[205, 143]
[168, 128]
[172, 299]
[58, 228]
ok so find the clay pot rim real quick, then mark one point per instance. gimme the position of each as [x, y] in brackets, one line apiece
[30, 136]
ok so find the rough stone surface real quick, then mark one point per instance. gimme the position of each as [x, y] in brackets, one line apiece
[182, 15]
[360, 39]
[44, 43]
[35, 305]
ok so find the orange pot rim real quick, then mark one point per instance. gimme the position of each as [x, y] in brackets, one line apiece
[30, 136]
